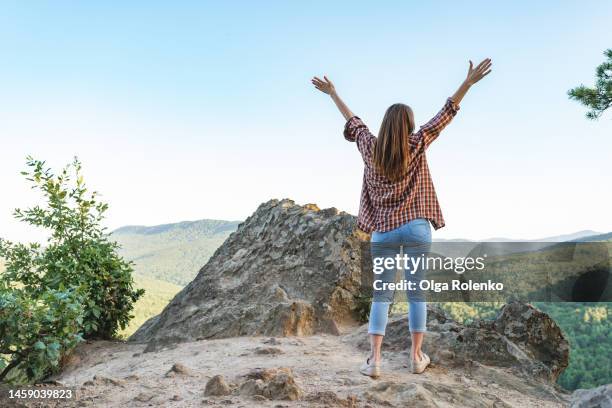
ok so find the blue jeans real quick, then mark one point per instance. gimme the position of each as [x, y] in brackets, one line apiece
[414, 240]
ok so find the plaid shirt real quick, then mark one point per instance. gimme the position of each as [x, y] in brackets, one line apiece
[387, 205]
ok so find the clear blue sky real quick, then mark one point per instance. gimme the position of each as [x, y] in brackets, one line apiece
[204, 109]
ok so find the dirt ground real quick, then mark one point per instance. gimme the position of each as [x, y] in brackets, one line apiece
[325, 368]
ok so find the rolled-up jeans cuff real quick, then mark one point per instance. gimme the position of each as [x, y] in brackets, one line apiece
[418, 330]
[378, 333]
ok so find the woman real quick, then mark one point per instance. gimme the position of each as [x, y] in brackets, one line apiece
[398, 201]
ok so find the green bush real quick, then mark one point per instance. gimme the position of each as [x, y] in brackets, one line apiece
[78, 265]
[36, 332]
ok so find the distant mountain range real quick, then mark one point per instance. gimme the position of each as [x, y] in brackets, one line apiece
[600, 237]
[580, 235]
[172, 252]
[176, 252]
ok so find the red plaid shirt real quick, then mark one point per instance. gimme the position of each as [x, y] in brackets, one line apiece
[387, 205]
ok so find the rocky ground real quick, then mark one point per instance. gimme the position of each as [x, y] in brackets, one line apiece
[313, 371]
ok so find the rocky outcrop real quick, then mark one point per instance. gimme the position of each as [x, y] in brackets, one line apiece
[521, 338]
[287, 270]
[600, 397]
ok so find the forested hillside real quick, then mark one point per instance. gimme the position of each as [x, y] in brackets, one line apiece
[589, 329]
[158, 294]
[172, 252]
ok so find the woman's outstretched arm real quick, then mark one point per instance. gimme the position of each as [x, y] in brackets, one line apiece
[431, 130]
[474, 75]
[326, 86]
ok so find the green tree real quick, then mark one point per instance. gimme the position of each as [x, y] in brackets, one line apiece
[599, 98]
[77, 270]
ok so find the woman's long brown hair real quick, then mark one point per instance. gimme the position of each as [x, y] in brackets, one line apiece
[392, 149]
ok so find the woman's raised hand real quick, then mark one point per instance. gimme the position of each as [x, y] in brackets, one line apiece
[476, 74]
[325, 86]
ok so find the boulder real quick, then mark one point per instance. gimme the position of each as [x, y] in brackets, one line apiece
[282, 387]
[599, 397]
[271, 383]
[537, 336]
[217, 387]
[287, 270]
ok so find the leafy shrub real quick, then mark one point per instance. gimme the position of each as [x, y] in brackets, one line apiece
[77, 268]
[36, 332]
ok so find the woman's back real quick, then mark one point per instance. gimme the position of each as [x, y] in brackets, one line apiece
[387, 204]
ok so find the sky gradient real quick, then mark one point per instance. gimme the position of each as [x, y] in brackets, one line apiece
[205, 110]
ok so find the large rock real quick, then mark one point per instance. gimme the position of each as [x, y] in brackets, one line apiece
[600, 397]
[521, 338]
[282, 386]
[537, 337]
[287, 270]
[271, 383]
[217, 387]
